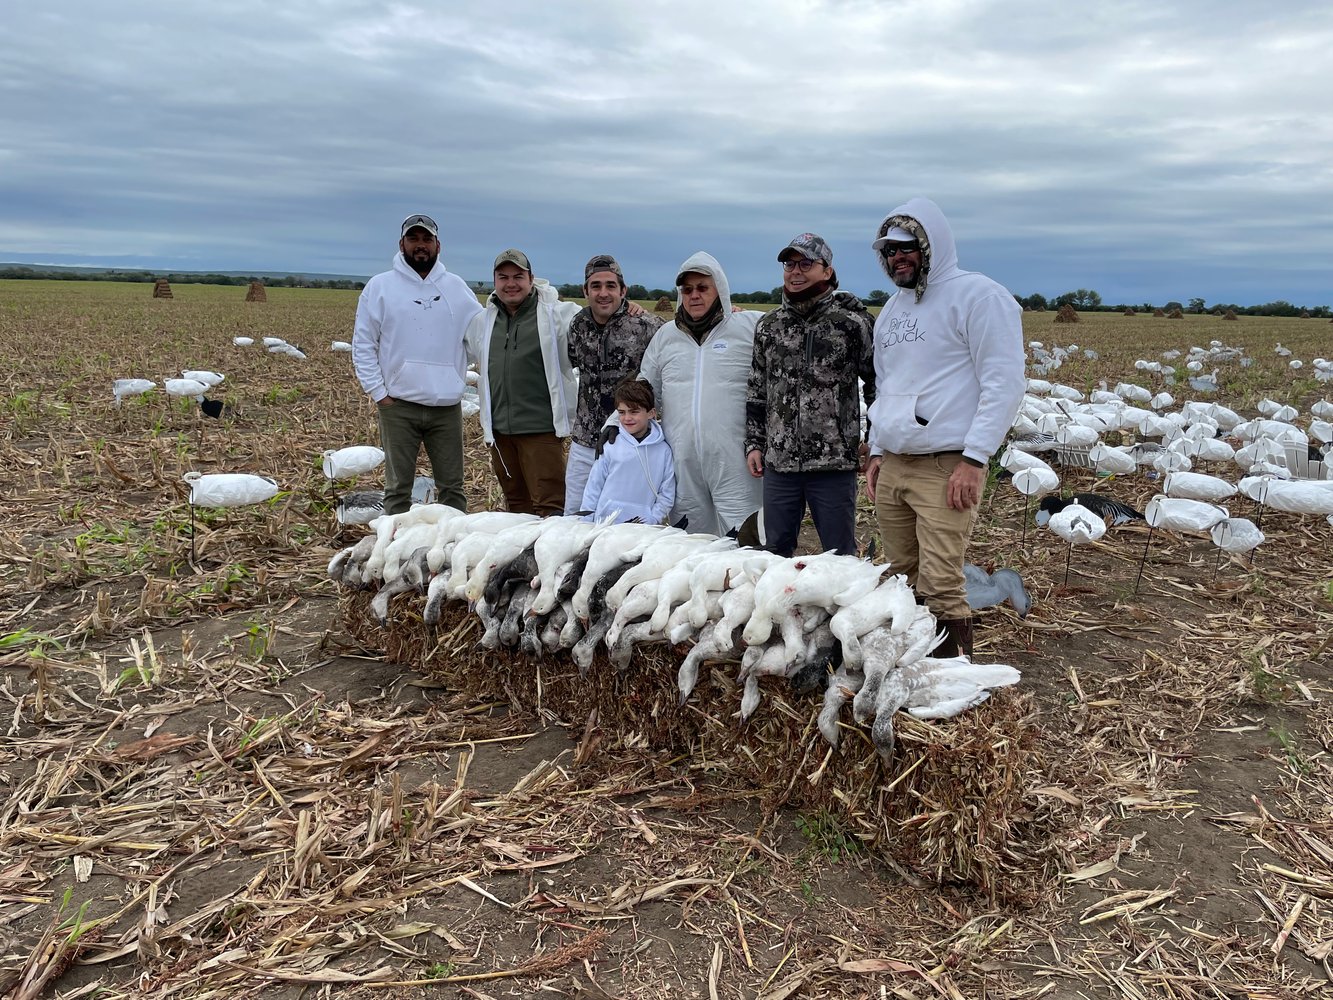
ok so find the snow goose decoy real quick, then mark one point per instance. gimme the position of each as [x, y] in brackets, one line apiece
[124, 388]
[1110, 510]
[1077, 525]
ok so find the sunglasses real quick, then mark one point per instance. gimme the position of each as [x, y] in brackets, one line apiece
[893, 250]
[800, 264]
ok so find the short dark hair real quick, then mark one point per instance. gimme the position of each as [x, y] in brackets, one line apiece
[635, 392]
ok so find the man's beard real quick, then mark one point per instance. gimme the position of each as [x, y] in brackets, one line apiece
[423, 267]
[907, 280]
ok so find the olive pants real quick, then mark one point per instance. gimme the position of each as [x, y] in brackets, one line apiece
[404, 428]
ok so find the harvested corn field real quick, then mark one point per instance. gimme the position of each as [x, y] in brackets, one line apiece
[220, 784]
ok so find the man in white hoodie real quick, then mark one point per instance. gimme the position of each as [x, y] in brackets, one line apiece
[949, 381]
[407, 349]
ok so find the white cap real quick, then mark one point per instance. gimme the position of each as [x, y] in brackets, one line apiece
[895, 235]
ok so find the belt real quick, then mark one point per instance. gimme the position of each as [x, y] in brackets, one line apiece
[927, 454]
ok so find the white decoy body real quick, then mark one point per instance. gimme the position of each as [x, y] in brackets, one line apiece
[209, 379]
[124, 388]
[1077, 525]
[186, 388]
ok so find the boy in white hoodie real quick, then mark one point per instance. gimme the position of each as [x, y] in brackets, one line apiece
[634, 479]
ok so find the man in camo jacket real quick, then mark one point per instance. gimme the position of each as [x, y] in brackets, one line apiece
[606, 344]
[802, 414]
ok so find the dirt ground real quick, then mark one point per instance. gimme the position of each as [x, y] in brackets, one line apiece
[214, 789]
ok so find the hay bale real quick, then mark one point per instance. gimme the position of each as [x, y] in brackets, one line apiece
[256, 293]
[1158, 312]
[161, 289]
[1175, 314]
[1229, 314]
[663, 305]
[1305, 314]
[956, 803]
[1130, 312]
[1066, 314]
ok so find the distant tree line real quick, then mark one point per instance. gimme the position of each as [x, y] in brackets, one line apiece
[193, 278]
[1086, 300]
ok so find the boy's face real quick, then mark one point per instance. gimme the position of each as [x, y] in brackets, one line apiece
[635, 419]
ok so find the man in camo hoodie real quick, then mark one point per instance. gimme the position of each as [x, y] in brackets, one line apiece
[802, 412]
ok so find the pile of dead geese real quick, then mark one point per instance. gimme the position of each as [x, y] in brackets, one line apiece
[825, 623]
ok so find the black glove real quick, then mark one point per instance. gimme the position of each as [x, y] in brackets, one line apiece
[607, 437]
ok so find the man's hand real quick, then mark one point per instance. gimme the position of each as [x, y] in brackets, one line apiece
[609, 434]
[862, 456]
[872, 475]
[754, 461]
[965, 484]
[386, 401]
[634, 309]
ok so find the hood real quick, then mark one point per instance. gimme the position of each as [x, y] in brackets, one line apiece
[401, 265]
[706, 263]
[939, 255]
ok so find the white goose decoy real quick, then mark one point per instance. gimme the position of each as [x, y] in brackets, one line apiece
[985, 590]
[125, 388]
[345, 463]
[186, 388]
[243, 341]
[1197, 486]
[1077, 525]
[341, 345]
[210, 379]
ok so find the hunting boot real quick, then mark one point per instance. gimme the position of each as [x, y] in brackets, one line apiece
[957, 638]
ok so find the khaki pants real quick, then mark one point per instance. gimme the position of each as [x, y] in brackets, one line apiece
[404, 428]
[531, 471]
[923, 537]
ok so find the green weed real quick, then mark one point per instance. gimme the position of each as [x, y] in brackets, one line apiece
[826, 836]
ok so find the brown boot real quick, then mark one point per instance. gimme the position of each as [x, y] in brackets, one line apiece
[957, 638]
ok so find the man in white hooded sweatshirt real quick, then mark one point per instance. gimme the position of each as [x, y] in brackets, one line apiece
[949, 381]
[407, 349]
[698, 366]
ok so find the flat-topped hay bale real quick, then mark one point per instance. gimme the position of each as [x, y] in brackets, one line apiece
[955, 804]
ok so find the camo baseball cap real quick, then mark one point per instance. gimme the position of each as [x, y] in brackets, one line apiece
[423, 222]
[602, 262]
[511, 256]
[809, 246]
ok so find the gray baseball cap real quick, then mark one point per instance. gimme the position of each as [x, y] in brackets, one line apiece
[809, 246]
[423, 222]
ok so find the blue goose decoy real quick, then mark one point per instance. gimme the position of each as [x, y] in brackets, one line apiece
[985, 590]
[1113, 511]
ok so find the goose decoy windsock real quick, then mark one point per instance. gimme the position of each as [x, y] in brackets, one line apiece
[1113, 511]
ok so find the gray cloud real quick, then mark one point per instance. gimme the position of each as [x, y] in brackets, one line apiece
[1145, 151]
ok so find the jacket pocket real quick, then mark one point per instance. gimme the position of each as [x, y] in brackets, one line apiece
[894, 425]
[431, 383]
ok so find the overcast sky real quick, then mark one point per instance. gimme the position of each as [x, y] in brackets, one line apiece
[1149, 151]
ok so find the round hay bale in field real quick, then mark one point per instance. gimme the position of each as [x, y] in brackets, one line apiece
[1066, 314]
[1305, 314]
[1159, 312]
[256, 293]
[957, 802]
[1130, 312]
[1175, 314]
[663, 305]
[1229, 314]
[161, 289]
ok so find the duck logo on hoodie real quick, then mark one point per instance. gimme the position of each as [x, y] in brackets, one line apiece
[901, 330]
